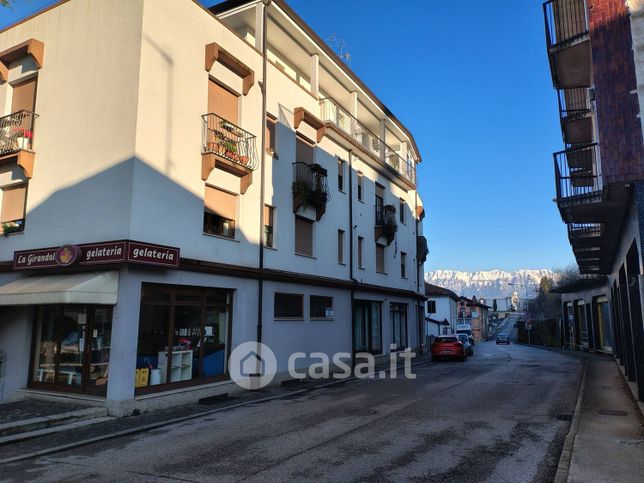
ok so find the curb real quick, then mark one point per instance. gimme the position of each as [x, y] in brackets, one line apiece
[563, 468]
[169, 422]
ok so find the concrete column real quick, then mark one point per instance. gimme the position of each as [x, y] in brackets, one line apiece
[125, 332]
[354, 104]
[315, 75]
[259, 24]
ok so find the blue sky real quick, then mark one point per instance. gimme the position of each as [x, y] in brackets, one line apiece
[470, 79]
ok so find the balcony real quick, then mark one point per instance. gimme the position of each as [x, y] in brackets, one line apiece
[343, 123]
[568, 42]
[579, 188]
[386, 225]
[576, 116]
[229, 148]
[17, 140]
[310, 188]
[422, 249]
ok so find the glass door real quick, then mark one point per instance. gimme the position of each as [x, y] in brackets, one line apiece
[98, 346]
[367, 327]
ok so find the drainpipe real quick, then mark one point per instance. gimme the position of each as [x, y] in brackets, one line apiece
[260, 281]
[351, 275]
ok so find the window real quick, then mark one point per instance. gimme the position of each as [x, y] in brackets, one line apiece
[270, 136]
[321, 307]
[367, 327]
[223, 102]
[220, 212]
[288, 305]
[380, 258]
[341, 175]
[183, 334]
[303, 236]
[431, 306]
[402, 210]
[403, 264]
[360, 251]
[399, 324]
[304, 151]
[269, 216]
[340, 246]
[12, 211]
[360, 186]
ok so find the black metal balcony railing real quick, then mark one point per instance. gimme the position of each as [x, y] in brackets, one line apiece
[422, 249]
[17, 132]
[573, 103]
[310, 187]
[577, 181]
[386, 223]
[566, 22]
[331, 112]
[228, 141]
[584, 230]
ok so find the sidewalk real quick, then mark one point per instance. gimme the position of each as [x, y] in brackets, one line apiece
[609, 443]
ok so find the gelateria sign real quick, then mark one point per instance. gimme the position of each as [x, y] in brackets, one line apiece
[123, 251]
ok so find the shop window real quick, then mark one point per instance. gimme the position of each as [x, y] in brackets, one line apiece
[269, 216]
[321, 307]
[12, 209]
[288, 305]
[220, 212]
[303, 236]
[72, 348]
[183, 335]
[380, 258]
[341, 246]
[399, 324]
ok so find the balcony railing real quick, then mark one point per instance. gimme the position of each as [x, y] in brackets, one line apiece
[566, 22]
[310, 187]
[386, 223]
[331, 112]
[17, 132]
[577, 180]
[228, 141]
[584, 230]
[573, 103]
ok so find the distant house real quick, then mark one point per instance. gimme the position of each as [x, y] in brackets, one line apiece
[474, 312]
[441, 306]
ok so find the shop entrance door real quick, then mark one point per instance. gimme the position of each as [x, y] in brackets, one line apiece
[367, 327]
[72, 348]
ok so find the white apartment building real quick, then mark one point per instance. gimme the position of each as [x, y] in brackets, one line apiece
[175, 181]
[441, 311]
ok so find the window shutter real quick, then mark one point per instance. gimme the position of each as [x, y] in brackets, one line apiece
[268, 215]
[380, 258]
[220, 203]
[223, 102]
[340, 246]
[360, 243]
[13, 203]
[303, 236]
[24, 96]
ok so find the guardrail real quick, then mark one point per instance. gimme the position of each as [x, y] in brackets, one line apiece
[225, 139]
[17, 132]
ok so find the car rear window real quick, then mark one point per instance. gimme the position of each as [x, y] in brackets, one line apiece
[448, 339]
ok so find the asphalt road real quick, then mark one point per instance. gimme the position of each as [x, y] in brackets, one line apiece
[491, 418]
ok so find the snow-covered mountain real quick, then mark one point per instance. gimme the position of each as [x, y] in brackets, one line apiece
[491, 284]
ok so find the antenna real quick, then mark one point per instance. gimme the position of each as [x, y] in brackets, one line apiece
[340, 47]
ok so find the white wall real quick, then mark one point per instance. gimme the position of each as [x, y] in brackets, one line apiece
[15, 342]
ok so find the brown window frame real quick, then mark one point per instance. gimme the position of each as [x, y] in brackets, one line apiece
[269, 226]
[295, 245]
[341, 247]
[360, 252]
[403, 264]
[384, 261]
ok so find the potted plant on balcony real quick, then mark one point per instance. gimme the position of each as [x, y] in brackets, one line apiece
[9, 227]
[23, 138]
[226, 125]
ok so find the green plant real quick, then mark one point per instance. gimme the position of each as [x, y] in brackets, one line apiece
[10, 227]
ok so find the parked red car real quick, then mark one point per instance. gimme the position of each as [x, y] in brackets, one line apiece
[447, 347]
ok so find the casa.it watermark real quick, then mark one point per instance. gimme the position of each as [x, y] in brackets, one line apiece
[253, 365]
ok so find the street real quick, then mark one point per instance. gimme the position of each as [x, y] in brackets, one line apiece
[492, 418]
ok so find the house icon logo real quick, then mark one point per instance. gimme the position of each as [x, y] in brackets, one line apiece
[252, 365]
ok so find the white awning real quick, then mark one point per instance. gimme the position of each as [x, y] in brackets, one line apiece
[79, 288]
